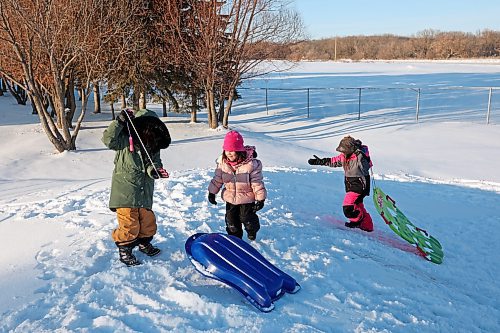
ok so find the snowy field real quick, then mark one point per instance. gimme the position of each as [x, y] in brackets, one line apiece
[60, 269]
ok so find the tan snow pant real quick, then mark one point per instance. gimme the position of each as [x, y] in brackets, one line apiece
[133, 224]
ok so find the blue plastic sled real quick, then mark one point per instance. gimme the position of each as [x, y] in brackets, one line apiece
[237, 264]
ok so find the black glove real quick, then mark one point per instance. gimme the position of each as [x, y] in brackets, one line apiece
[319, 161]
[211, 199]
[125, 115]
[258, 205]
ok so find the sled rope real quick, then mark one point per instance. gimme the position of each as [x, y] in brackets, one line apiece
[142, 144]
[372, 177]
[177, 210]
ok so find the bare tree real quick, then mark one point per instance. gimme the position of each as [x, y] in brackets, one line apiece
[218, 42]
[426, 44]
[42, 42]
[256, 30]
[192, 31]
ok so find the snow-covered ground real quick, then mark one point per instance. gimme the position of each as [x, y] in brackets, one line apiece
[60, 271]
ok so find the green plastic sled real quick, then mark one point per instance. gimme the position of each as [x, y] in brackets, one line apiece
[429, 246]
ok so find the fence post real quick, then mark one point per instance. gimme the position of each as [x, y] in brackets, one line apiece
[359, 104]
[267, 108]
[489, 106]
[418, 105]
[307, 102]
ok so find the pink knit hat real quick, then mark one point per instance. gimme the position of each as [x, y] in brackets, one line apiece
[233, 142]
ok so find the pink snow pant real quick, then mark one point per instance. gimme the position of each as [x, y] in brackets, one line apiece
[355, 211]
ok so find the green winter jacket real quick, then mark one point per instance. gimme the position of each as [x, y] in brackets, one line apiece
[132, 183]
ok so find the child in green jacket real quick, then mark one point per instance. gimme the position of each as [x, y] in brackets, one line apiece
[137, 141]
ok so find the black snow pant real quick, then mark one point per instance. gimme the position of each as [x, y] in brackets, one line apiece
[238, 216]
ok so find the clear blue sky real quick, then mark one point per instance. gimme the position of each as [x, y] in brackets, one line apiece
[329, 18]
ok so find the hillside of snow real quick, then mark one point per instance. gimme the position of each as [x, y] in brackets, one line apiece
[60, 266]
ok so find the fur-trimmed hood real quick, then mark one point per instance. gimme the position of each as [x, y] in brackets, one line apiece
[152, 131]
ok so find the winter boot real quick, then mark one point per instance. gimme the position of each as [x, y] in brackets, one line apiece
[365, 226]
[252, 235]
[366, 223]
[149, 249]
[126, 256]
[352, 224]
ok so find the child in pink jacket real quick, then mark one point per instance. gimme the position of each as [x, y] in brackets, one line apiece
[355, 159]
[244, 192]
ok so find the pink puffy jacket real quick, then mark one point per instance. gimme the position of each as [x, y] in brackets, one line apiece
[243, 183]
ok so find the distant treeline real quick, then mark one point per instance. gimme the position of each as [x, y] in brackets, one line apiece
[427, 44]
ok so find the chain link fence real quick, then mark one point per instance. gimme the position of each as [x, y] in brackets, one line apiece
[463, 104]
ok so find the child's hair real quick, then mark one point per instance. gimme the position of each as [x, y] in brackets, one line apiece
[240, 155]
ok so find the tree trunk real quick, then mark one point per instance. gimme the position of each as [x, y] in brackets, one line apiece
[62, 119]
[47, 122]
[17, 92]
[112, 106]
[164, 107]
[97, 98]
[135, 101]
[85, 94]
[58, 95]
[194, 107]
[209, 114]
[22, 93]
[70, 101]
[33, 107]
[123, 100]
[142, 100]
[212, 114]
[227, 109]
[172, 101]
[220, 112]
